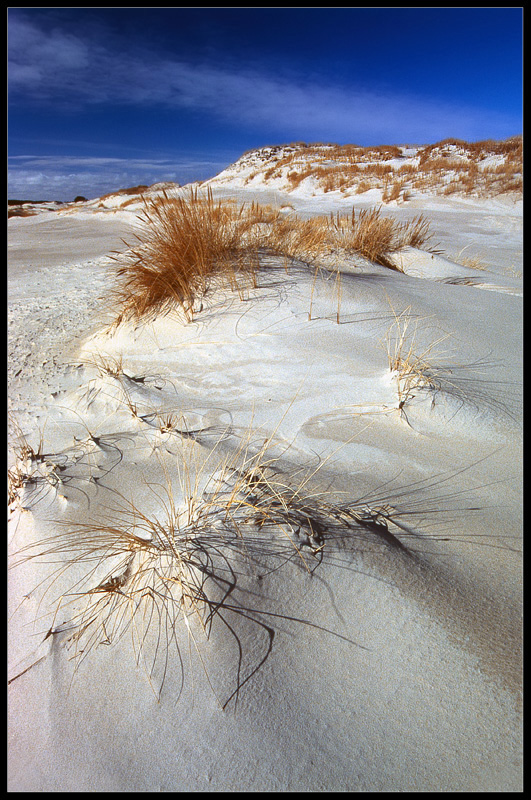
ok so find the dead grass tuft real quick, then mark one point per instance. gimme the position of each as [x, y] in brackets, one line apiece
[234, 520]
[471, 261]
[189, 245]
[20, 212]
[378, 237]
[413, 370]
[184, 245]
[33, 474]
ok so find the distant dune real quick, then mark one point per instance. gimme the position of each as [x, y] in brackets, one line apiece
[449, 167]
[386, 173]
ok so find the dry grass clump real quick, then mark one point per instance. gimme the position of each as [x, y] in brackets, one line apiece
[471, 261]
[393, 191]
[295, 178]
[378, 237]
[412, 370]
[20, 212]
[187, 244]
[363, 186]
[196, 566]
[39, 475]
[33, 474]
[140, 189]
[298, 239]
[418, 371]
[189, 566]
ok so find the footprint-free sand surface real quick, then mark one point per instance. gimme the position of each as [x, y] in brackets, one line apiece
[368, 636]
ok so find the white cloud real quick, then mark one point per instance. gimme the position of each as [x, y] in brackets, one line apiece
[43, 61]
[33, 177]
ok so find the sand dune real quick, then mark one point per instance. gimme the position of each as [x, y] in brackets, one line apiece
[347, 612]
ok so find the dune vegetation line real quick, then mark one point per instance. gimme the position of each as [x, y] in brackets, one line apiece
[449, 167]
[188, 245]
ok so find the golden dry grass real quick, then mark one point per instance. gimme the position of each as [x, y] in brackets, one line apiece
[354, 169]
[189, 245]
[476, 262]
[378, 237]
[184, 245]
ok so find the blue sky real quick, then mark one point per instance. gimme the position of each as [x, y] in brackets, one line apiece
[105, 98]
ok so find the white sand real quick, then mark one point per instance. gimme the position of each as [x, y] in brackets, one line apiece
[425, 694]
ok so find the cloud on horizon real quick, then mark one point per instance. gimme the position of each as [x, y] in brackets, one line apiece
[57, 69]
[32, 177]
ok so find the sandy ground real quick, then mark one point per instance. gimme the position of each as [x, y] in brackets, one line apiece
[382, 655]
